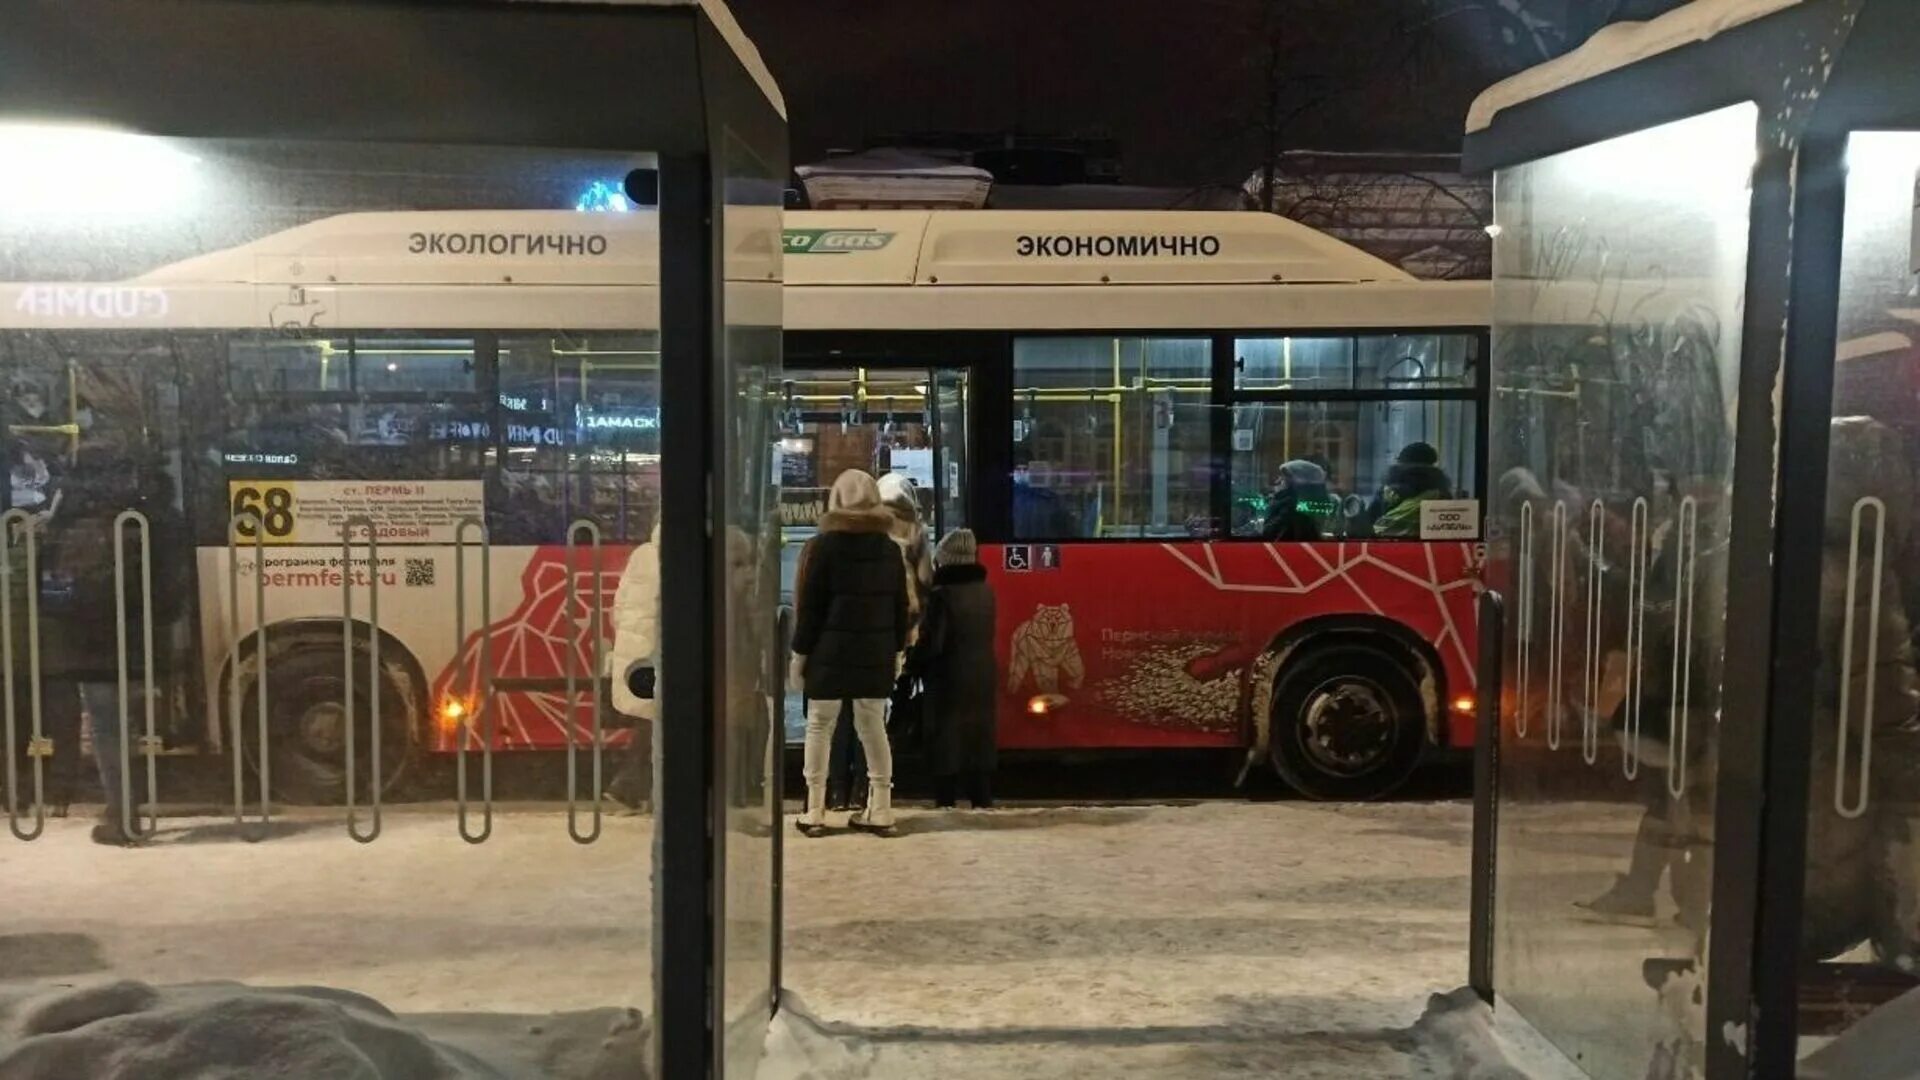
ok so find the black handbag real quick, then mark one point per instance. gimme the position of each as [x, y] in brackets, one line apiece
[906, 712]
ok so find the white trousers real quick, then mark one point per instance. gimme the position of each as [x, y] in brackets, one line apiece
[869, 722]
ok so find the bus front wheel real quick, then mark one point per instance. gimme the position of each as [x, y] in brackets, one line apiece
[1347, 723]
[307, 697]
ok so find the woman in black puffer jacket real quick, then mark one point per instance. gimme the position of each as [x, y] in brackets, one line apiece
[955, 658]
[852, 627]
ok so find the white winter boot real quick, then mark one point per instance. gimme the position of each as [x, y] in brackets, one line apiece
[814, 821]
[877, 818]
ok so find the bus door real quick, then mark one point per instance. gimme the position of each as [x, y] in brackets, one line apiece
[892, 417]
[92, 425]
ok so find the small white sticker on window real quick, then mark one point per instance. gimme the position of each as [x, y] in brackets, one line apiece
[1450, 519]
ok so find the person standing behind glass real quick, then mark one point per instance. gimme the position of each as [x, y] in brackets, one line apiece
[853, 621]
[954, 658]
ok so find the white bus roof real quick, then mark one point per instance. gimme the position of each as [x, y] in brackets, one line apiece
[1067, 247]
[845, 270]
[1092, 269]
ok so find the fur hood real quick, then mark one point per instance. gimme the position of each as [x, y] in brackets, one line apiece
[960, 574]
[854, 506]
[875, 520]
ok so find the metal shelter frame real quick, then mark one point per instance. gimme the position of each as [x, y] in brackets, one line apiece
[668, 77]
[1819, 70]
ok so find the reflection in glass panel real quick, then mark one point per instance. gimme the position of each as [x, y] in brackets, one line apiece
[749, 365]
[1861, 938]
[580, 424]
[1615, 374]
[1111, 437]
[216, 400]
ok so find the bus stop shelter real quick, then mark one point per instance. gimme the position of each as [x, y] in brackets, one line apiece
[146, 134]
[1696, 813]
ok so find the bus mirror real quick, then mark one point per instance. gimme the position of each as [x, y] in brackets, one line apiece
[643, 187]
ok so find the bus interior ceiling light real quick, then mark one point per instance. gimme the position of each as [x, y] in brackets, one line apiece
[55, 170]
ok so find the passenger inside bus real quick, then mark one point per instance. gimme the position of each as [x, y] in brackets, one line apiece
[1037, 508]
[1300, 505]
[1414, 478]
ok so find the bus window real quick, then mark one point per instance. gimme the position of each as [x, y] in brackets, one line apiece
[1368, 456]
[353, 366]
[581, 423]
[1111, 437]
[356, 407]
[1385, 362]
[1417, 362]
[1294, 363]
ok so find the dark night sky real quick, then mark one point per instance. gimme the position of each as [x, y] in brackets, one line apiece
[1177, 82]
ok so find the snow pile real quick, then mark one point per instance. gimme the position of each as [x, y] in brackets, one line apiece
[1458, 1038]
[129, 1030]
[799, 1048]
[132, 1031]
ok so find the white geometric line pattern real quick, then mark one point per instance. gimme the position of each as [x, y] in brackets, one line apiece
[533, 642]
[1389, 559]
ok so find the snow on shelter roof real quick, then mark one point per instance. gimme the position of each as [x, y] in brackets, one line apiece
[722, 18]
[1618, 46]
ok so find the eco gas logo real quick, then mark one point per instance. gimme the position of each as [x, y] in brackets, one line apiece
[834, 241]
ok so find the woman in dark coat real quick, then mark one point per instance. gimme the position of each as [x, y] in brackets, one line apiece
[954, 657]
[852, 626]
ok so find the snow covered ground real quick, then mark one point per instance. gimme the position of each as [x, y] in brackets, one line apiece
[1218, 940]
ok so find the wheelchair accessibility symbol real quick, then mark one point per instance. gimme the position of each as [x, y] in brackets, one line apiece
[1019, 558]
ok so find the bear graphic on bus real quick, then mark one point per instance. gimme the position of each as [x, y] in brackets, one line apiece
[1043, 647]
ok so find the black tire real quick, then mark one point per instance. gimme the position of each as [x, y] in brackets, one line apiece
[1347, 724]
[306, 712]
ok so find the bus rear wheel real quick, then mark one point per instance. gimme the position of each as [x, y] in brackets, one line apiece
[307, 699]
[1347, 723]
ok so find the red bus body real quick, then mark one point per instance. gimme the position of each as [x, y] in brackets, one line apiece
[1117, 645]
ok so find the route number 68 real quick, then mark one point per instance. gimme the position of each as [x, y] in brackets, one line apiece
[272, 505]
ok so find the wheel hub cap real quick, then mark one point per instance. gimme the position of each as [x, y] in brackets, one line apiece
[1349, 726]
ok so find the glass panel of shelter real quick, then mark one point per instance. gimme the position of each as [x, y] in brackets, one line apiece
[1860, 945]
[1614, 390]
[175, 488]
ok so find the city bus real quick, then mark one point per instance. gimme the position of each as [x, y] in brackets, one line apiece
[1108, 399]
[1104, 398]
